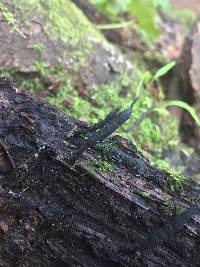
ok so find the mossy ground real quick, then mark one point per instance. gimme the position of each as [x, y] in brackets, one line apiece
[64, 21]
[60, 19]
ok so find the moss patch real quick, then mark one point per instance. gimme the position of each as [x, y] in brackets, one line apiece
[105, 166]
[61, 20]
[102, 165]
[175, 182]
[9, 17]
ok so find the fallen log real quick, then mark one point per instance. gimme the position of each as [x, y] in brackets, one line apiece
[108, 208]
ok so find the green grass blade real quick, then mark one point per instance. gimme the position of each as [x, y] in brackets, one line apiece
[164, 70]
[185, 106]
[112, 26]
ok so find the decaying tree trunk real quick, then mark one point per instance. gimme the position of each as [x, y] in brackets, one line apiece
[56, 212]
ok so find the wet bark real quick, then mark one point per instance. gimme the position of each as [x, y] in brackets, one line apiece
[56, 212]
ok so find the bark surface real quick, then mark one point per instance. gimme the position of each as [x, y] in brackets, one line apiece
[54, 212]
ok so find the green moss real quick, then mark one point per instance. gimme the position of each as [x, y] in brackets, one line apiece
[80, 107]
[106, 147]
[168, 200]
[145, 194]
[39, 46]
[102, 165]
[179, 209]
[62, 20]
[9, 17]
[174, 208]
[176, 181]
[32, 85]
[105, 166]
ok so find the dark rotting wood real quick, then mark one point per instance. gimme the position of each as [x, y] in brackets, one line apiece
[57, 213]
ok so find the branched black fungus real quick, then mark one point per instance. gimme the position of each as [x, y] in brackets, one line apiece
[104, 128]
[103, 122]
